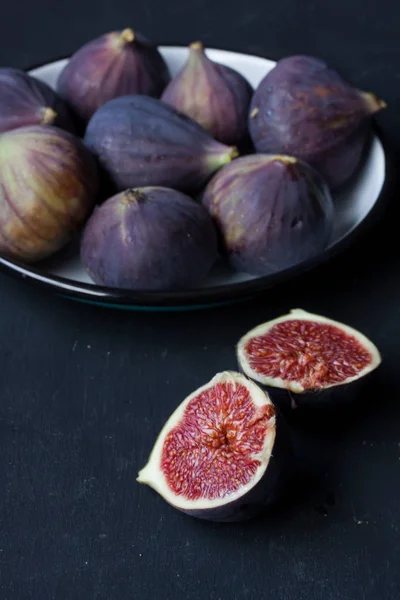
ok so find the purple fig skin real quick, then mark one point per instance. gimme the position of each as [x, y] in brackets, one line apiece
[25, 100]
[48, 187]
[116, 64]
[331, 399]
[150, 238]
[305, 109]
[140, 141]
[215, 96]
[273, 212]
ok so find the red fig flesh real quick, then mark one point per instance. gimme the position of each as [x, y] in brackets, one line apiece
[214, 95]
[305, 109]
[116, 64]
[25, 100]
[48, 186]
[305, 352]
[217, 456]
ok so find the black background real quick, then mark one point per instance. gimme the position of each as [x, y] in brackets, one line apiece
[84, 391]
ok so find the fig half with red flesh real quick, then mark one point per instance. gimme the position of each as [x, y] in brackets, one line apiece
[303, 352]
[223, 454]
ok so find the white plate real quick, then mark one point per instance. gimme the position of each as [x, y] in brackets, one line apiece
[352, 207]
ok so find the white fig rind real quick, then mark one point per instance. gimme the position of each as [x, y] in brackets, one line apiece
[295, 386]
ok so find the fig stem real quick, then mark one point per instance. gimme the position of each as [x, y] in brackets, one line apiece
[48, 116]
[218, 160]
[132, 196]
[254, 112]
[374, 104]
[233, 153]
[285, 159]
[128, 35]
[196, 46]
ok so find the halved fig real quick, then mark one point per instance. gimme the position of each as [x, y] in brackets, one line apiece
[303, 352]
[223, 454]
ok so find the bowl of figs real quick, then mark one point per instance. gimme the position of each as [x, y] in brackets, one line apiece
[141, 176]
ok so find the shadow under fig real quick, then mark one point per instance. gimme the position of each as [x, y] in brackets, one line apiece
[317, 437]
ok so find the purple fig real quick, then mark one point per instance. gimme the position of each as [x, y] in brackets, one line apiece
[215, 96]
[305, 109]
[25, 100]
[150, 238]
[115, 64]
[48, 188]
[141, 141]
[273, 212]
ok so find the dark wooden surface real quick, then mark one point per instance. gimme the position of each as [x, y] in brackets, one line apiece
[84, 391]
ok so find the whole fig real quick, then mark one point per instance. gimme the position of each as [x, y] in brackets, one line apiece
[48, 186]
[140, 141]
[149, 238]
[305, 109]
[25, 100]
[116, 64]
[215, 96]
[273, 212]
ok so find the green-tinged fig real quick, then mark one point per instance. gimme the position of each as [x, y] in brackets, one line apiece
[305, 109]
[150, 238]
[48, 186]
[140, 141]
[303, 354]
[25, 100]
[215, 96]
[223, 455]
[116, 64]
[273, 212]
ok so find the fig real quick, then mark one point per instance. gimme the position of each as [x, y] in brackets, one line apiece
[222, 455]
[140, 141]
[115, 64]
[273, 212]
[48, 186]
[150, 238]
[306, 109]
[215, 96]
[305, 354]
[25, 100]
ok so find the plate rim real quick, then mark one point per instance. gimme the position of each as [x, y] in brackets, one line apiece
[199, 297]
